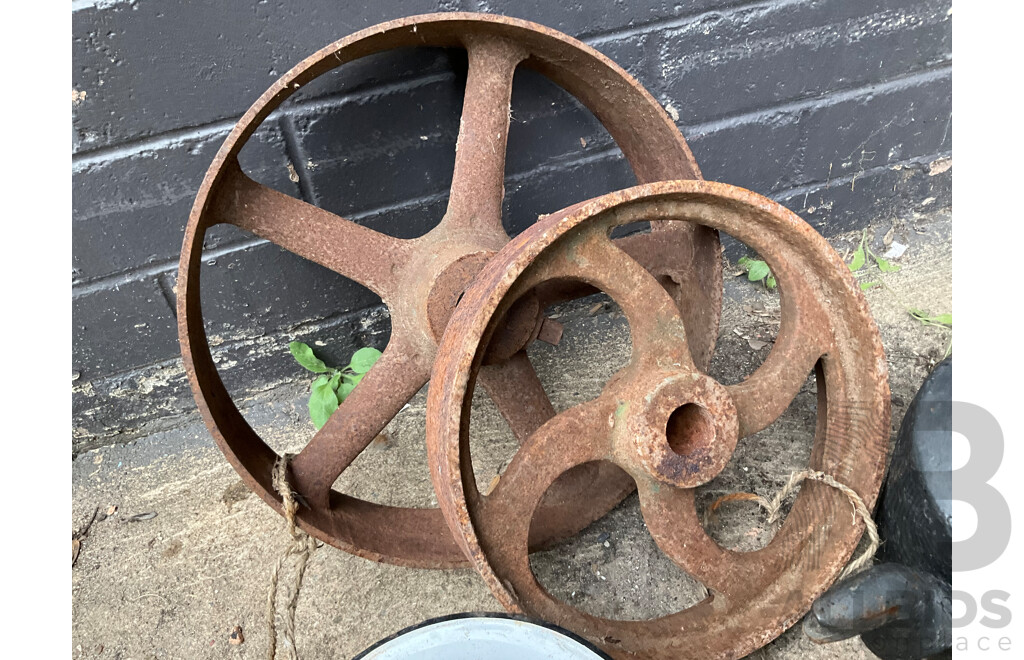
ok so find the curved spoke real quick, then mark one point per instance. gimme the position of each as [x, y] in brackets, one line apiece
[768, 392]
[671, 517]
[655, 325]
[582, 493]
[576, 436]
[478, 181]
[668, 253]
[518, 394]
[393, 380]
[359, 253]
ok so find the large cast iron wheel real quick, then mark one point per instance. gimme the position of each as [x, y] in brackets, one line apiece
[669, 425]
[421, 279]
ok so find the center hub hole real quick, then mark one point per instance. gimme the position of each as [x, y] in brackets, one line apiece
[690, 427]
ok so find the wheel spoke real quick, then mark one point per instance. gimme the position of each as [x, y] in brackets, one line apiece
[478, 181]
[768, 392]
[359, 253]
[655, 325]
[518, 394]
[576, 436]
[388, 386]
[579, 495]
[671, 517]
[667, 252]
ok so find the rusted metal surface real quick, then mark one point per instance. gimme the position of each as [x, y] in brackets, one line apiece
[670, 427]
[422, 279]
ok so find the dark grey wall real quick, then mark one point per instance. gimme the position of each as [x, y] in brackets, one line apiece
[836, 108]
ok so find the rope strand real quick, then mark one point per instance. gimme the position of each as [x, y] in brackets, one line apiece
[774, 507]
[302, 545]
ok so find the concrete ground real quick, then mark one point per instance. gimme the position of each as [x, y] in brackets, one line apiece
[181, 552]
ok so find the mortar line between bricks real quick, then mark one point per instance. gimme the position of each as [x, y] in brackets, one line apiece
[138, 145]
[728, 121]
[555, 164]
[86, 158]
[79, 5]
[334, 100]
[106, 282]
[168, 266]
[127, 373]
[829, 99]
[680, 20]
[315, 325]
[813, 187]
[298, 157]
[99, 155]
[153, 270]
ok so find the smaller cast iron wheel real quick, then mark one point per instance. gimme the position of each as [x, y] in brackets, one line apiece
[669, 425]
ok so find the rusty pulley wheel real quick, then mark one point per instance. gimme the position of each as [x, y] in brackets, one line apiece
[421, 280]
[669, 425]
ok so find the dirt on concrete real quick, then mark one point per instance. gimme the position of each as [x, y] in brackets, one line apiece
[176, 584]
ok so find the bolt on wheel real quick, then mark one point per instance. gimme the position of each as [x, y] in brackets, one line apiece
[422, 279]
[668, 425]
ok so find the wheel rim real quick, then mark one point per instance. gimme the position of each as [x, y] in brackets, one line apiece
[826, 329]
[420, 279]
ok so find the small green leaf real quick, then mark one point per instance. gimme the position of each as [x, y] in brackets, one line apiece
[858, 255]
[744, 262]
[758, 271]
[858, 259]
[945, 320]
[335, 381]
[885, 266]
[322, 401]
[348, 384]
[304, 355]
[363, 359]
[864, 286]
[770, 282]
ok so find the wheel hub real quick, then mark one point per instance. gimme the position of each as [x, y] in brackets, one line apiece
[446, 289]
[682, 432]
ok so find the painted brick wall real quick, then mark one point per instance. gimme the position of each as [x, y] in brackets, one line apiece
[836, 108]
